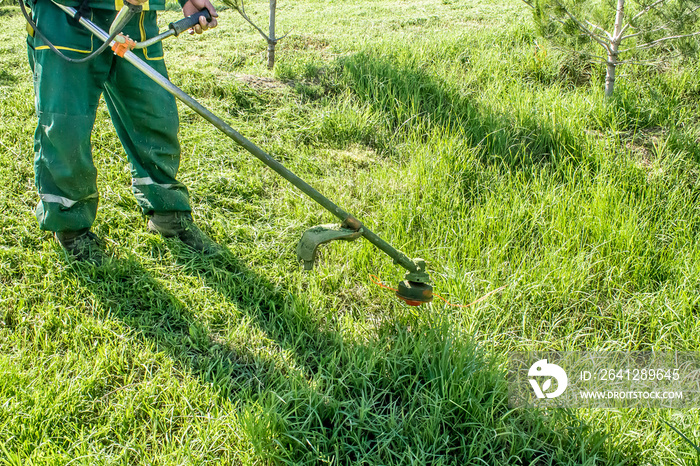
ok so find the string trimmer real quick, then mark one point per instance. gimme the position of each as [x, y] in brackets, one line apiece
[414, 289]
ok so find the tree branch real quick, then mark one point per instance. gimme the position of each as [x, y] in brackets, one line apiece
[280, 38]
[583, 28]
[646, 10]
[656, 42]
[587, 54]
[551, 18]
[607, 34]
[640, 33]
[241, 11]
[641, 62]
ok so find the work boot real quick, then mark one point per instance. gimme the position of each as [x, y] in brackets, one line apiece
[83, 245]
[180, 225]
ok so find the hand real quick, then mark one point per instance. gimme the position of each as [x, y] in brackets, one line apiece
[192, 7]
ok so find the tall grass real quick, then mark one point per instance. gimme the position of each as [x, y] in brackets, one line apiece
[446, 129]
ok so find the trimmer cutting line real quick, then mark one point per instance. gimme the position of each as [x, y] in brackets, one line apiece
[414, 289]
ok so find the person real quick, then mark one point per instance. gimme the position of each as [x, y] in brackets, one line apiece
[144, 115]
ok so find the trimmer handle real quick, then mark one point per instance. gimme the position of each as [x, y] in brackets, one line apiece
[189, 22]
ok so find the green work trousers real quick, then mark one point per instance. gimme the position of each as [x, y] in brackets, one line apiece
[67, 95]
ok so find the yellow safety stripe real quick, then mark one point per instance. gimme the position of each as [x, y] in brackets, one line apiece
[143, 37]
[46, 47]
[118, 4]
[69, 49]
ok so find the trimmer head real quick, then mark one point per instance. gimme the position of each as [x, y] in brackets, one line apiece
[414, 294]
[414, 289]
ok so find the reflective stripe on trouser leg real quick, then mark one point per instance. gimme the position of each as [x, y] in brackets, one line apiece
[146, 119]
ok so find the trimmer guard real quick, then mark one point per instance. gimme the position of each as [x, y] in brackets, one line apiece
[314, 237]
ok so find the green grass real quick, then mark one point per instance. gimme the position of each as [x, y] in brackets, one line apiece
[448, 131]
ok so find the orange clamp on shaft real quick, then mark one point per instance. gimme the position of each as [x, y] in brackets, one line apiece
[122, 44]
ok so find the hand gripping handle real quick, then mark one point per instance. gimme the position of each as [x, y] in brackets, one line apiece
[189, 22]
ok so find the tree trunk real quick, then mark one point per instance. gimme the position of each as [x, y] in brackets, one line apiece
[610, 75]
[271, 55]
[613, 50]
[272, 38]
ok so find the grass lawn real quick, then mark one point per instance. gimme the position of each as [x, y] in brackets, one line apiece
[450, 130]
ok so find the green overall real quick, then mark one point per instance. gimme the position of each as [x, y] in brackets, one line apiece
[67, 95]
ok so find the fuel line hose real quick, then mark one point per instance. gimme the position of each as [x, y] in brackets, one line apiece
[119, 22]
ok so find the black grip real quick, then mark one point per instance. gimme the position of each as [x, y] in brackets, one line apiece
[189, 22]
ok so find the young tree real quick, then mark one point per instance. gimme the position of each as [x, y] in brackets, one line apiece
[638, 24]
[271, 37]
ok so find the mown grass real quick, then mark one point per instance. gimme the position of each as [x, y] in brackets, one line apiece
[447, 129]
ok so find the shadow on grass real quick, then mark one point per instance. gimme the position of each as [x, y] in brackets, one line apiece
[413, 394]
[411, 99]
[8, 9]
[7, 78]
